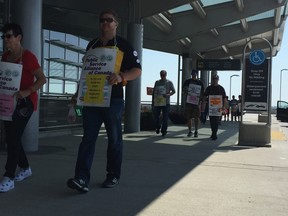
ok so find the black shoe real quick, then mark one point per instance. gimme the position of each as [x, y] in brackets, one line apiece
[164, 133]
[110, 182]
[189, 134]
[157, 131]
[78, 184]
[196, 134]
[214, 137]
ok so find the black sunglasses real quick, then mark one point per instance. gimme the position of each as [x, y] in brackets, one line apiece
[108, 20]
[8, 36]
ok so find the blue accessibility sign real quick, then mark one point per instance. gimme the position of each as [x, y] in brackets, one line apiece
[257, 57]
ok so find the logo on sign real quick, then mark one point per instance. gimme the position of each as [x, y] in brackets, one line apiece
[257, 57]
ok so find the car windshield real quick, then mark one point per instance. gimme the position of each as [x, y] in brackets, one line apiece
[283, 104]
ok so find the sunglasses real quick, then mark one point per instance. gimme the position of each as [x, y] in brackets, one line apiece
[108, 20]
[8, 36]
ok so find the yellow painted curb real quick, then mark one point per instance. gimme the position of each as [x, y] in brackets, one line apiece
[277, 135]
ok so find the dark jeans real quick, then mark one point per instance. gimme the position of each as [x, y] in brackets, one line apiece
[214, 122]
[204, 114]
[14, 130]
[93, 117]
[203, 117]
[165, 112]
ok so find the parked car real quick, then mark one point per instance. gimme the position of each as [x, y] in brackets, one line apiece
[282, 111]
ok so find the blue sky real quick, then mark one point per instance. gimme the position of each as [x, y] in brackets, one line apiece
[153, 62]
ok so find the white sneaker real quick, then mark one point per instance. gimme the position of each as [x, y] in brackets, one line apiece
[23, 174]
[6, 184]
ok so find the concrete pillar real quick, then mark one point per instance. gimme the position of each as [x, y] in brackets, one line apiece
[213, 72]
[6, 18]
[133, 88]
[186, 73]
[205, 78]
[28, 14]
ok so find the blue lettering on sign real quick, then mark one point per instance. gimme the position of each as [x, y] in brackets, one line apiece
[257, 57]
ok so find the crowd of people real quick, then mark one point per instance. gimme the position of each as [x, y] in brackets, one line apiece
[199, 103]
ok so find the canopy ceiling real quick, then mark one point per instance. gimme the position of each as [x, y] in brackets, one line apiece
[206, 29]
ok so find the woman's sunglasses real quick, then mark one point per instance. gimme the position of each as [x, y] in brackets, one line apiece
[8, 36]
[108, 20]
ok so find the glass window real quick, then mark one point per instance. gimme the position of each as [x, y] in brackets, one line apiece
[207, 3]
[55, 86]
[56, 69]
[71, 55]
[266, 14]
[45, 87]
[83, 43]
[46, 50]
[56, 52]
[81, 57]
[46, 34]
[181, 8]
[70, 87]
[57, 36]
[45, 67]
[71, 71]
[72, 39]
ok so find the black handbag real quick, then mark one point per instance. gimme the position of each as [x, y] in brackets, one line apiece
[24, 108]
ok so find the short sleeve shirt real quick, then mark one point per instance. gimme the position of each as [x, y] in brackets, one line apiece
[168, 86]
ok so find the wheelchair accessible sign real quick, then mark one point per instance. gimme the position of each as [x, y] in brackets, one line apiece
[256, 82]
[257, 57]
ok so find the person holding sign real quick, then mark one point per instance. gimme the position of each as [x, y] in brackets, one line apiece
[25, 94]
[162, 91]
[109, 62]
[193, 90]
[216, 97]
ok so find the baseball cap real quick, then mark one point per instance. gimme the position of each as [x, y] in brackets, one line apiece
[215, 77]
[163, 72]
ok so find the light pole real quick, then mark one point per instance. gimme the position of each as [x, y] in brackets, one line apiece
[230, 84]
[281, 81]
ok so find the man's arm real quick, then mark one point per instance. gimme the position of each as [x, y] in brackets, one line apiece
[131, 74]
[172, 91]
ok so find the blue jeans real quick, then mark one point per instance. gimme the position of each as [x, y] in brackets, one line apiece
[93, 117]
[165, 112]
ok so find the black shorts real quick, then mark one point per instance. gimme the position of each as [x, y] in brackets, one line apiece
[192, 111]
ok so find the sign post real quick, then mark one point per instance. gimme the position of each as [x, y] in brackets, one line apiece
[256, 97]
[256, 82]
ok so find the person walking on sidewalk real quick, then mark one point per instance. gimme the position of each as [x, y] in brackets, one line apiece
[127, 67]
[234, 107]
[162, 91]
[193, 90]
[216, 98]
[226, 110]
[32, 79]
[239, 108]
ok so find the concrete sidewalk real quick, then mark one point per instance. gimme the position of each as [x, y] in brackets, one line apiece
[174, 175]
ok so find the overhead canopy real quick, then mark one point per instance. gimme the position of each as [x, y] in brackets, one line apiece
[206, 29]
